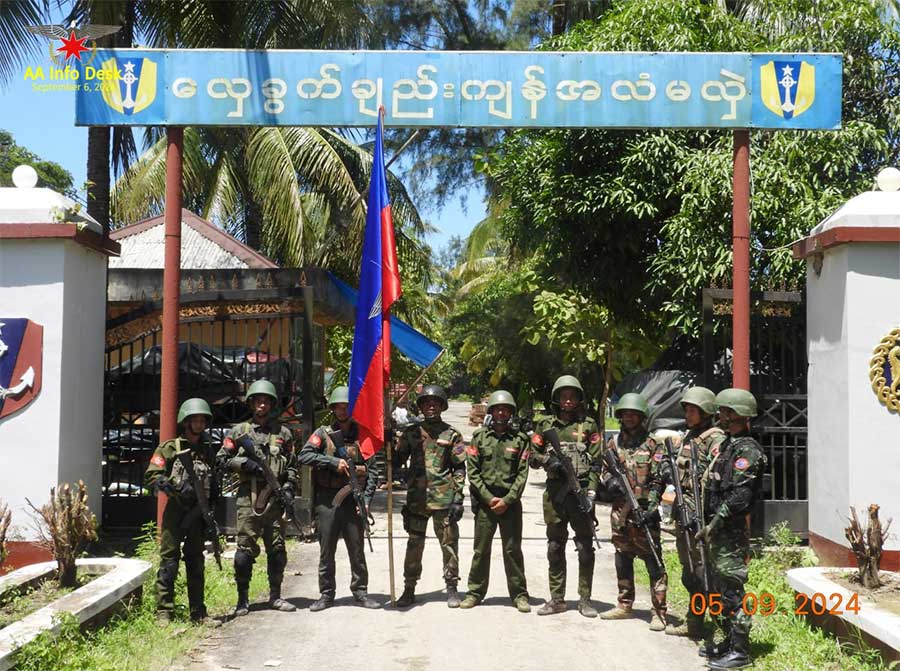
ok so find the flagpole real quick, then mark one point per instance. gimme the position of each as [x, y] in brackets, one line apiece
[390, 500]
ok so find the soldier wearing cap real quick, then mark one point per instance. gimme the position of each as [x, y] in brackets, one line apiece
[703, 437]
[260, 512]
[333, 452]
[580, 440]
[497, 465]
[734, 480]
[435, 481]
[182, 531]
[640, 456]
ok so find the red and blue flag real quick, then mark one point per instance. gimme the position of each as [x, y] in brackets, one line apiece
[379, 287]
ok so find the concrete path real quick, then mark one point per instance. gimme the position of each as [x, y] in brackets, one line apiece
[430, 636]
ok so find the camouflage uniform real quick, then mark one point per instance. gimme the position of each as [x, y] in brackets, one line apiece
[733, 481]
[259, 512]
[581, 441]
[182, 522]
[640, 456]
[435, 480]
[342, 521]
[497, 466]
[707, 439]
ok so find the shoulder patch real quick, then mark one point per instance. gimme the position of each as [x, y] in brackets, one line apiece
[459, 449]
[158, 460]
[315, 440]
[472, 451]
[714, 451]
[741, 463]
[595, 438]
[657, 456]
[537, 439]
[229, 445]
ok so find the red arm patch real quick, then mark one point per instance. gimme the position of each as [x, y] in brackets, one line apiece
[315, 440]
[229, 445]
[472, 451]
[536, 439]
[595, 438]
[158, 460]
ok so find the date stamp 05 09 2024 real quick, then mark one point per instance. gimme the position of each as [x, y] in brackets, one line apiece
[764, 604]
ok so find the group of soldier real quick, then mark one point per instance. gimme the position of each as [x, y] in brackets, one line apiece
[630, 472]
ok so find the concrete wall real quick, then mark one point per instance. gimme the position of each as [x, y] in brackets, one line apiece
[60, 285]
[853, 438]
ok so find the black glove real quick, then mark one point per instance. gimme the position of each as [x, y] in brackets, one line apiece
[614, 489]
[287, 496]
[456, 512]
[554, 466]
[164, 485]
[250, 467]
[649, 518]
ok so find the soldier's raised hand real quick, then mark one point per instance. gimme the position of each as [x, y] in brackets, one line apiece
[343, 467]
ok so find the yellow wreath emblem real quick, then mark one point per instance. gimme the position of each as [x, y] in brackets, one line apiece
[886, 379]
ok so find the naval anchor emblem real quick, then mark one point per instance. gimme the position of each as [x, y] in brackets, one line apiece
[21, 353]
[884, 371]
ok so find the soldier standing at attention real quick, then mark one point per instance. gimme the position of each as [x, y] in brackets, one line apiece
[435, 481]
[640, 457]
[581, 441]
[733, 482]
[333, 452]
[182, 523]
[260, 511]
[699, 405]
[497, 464]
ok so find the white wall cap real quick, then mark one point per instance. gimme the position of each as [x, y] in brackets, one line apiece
[40, 206]
[875, 209]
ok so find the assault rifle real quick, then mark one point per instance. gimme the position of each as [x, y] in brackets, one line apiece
[585, 505]
[209, 519]
[352, 487]
[611, 461]
[686, 520]
[701, 544]
[286, 503]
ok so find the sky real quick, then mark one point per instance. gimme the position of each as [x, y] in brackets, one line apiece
[44, 123]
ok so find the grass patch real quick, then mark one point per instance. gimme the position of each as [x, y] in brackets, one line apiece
[134, 639]
[782, 640]
[20, 605]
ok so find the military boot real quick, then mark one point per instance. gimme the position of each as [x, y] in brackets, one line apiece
[243, 603]
[452, 597]
[739, 655]
[200, 616]
[321, 603]
[692, 627]
[553, 607]
[586, 609]
[408, 598]
[365, 601]
[522, 604]
[717, 650]
[617, 613]
[277, 603]
[657, 621]
[470, 601]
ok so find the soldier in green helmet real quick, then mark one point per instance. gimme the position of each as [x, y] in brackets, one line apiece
[734, 480]
[497, 465]
[333, 453]
[182, 532]
[640, 456]
[260, 512]
[581, 441]
[435, 481]
[703, 437]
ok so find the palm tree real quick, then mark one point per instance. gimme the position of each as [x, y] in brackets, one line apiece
[16, 42]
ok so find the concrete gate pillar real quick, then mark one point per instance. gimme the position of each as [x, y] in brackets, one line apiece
[52, 328]
[853, 305]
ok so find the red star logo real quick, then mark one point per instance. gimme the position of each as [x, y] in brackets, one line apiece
[73, 46]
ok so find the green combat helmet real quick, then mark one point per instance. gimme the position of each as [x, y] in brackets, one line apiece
[433, 391]
[702, 397]
[262, 387]
[193, 406]
[633, 401]
[501, 397]
[339, 395]
[561, 383]
[739, 400]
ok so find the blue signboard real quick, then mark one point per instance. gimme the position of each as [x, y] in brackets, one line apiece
[148, 87]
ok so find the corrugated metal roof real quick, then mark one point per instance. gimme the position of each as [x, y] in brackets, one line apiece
[203, 246]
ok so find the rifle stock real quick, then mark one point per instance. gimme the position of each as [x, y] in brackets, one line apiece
[684, 515]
